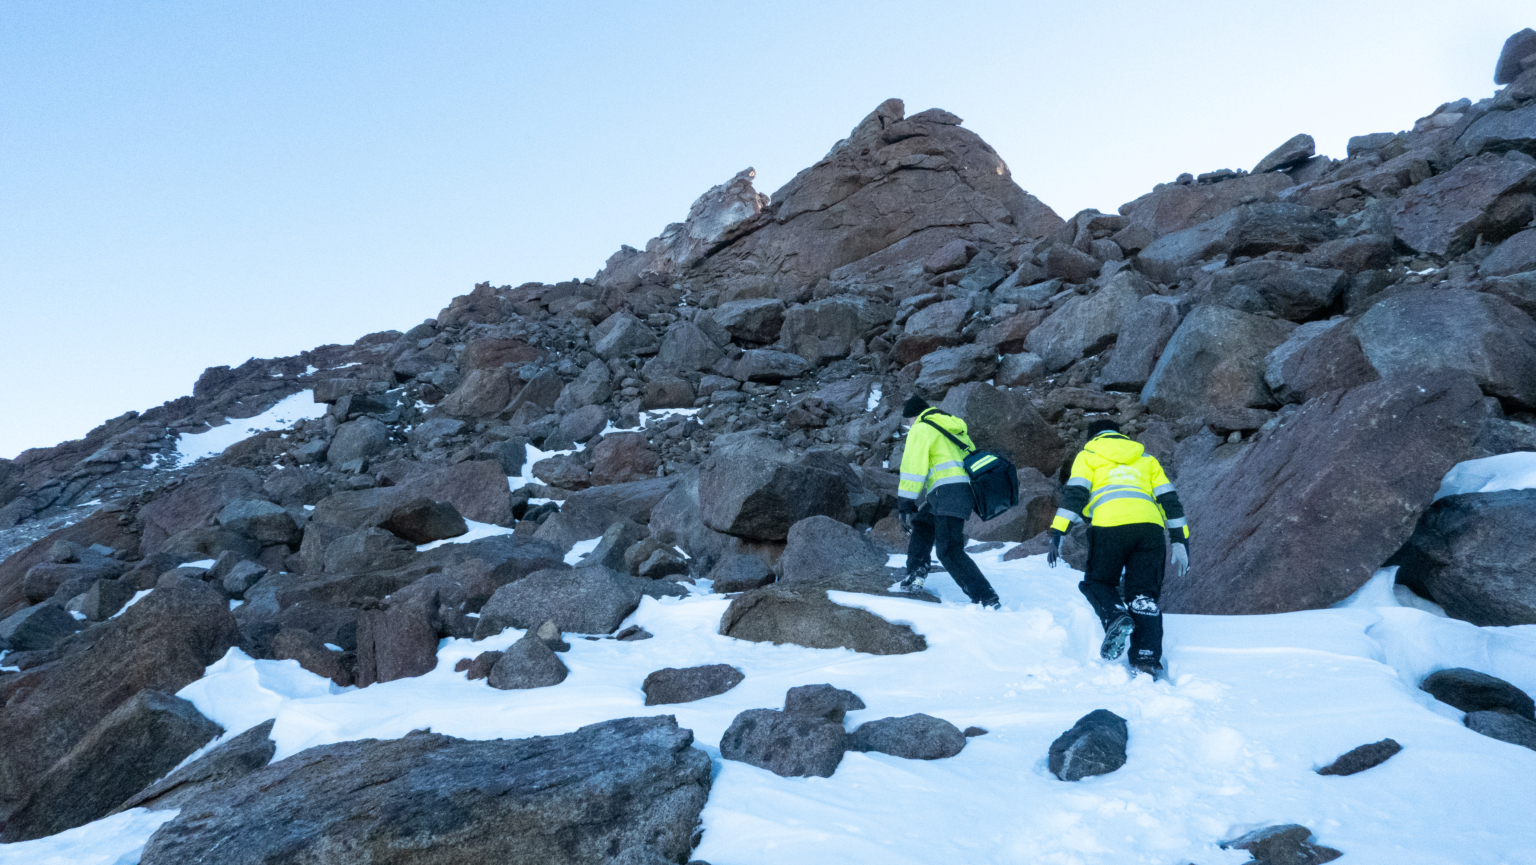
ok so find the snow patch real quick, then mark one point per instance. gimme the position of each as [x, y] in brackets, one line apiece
[115, 840]
[580, 550]
[874, 399]
[1512, 471]
[476, 532]
[287, 412]
[137, 596]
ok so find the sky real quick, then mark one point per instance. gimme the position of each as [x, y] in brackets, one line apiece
[192, 184]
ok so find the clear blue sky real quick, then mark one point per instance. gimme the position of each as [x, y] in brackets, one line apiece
[191, 184]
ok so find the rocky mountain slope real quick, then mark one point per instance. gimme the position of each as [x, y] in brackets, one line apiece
[1310, 347]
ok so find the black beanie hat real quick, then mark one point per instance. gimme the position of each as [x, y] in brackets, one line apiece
[914, 406]
[1102, 426]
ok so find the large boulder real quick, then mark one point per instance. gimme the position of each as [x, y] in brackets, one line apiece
[940, 319]
[1144, 333]
[1515, 255]
[805, 616]
[1285, 288]
[1445, 214]
[589, 600]
[820, 547]
[476, 488]
[36, 627]
[1473, 555]
[1215, 360]
[1293, 152]
[913, 737]
[673, 685]
[1094, 746]
[1503, 726]
[1301, 519]
[1174, 207]
[624, 335]
[483, 393]
[193, 504]
[1164, 259]
[1329, 358]
[162, 643]
[762, 498]
[592, 387]
[1516, 49]
[767, 366]
[1471, 691]
[623, 457]
[141, 740]
[827, 329]
[357, 439]
[687, 348]
[422, 521]
[788, 745]
[262, 520]
[822, 701]
[947, 367]
[751, 321]
[1422, 331]
[1007, 422]
[1282, 227]
[1289, 844]
[1501, 131]
[527, 663]
[631, 787]
[1087, 324]
[234, 759]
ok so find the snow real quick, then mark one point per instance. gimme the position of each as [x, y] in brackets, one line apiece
[874, 399]
[1254, 705]
[137, 596]
[580, 550]
[1512, 471]
[475, 533]
[287, 412]
[115, 840]
[200, 563]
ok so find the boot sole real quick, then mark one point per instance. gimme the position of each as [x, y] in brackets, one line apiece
[1116, 638]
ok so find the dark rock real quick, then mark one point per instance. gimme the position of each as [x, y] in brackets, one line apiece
[1362, 758]
[1302, 518]
[1289, 290]
[947, 367]
[626, 335]
[592, 387]
[1505, 727]
[1215, 360]
[106, 597]
[1515, 255]
[368, 550]
[585, 422]
[357, 439]
[740, 573]
[1289, 844]
[674, 685]
[481, 665]
[951, 256]
[1293, 152]
[36, 627]
[631, 634]
[1500, 132]
[1017, 370]
[790, 746]
[395, 643]
[827, 329]
[1228, 420]
[1331, 360]
[761, 498]
[805, 617]
[477, 489]
[230, 761]
[422, 521]
[821, 701]
[1144, 332]
[751, 321]
[1422, 331]
[820, 547]
[292, 644]
[264, 521]
[973, 732]
[1006, 422]
[1164, 258]
[1094, 746]
[623, 457]
[1071, 265]
[940, 319]
[617, 538]
[138, 742]
[1445, 214]
[483, 393]
[1351, 254]
[1471, 691]
[1516, 48]
[591, 796]
[1087, 324]
[193, 504]
[527, 663]
[667, 392]
[1473, 555]
[687, 348]
[586, 600]
[914, 737]
[772, 367]
[1282, 228]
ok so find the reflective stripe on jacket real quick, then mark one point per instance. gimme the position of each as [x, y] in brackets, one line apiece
[1115, 482]
[931, 460]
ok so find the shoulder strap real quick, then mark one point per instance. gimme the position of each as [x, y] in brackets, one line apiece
[947, 434]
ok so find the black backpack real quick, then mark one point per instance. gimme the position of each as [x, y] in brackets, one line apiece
[994, 480]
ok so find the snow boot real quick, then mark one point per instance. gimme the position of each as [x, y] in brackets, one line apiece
[913, 583]
[1145, 662]
[1116, 635]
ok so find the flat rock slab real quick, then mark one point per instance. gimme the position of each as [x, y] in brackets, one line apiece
[593, 600]
[806, 617]
[914, 737]
[788, 745]
[685, 685]
[1094, 746]
[604, 792]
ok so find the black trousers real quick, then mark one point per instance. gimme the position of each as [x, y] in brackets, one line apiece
[947, 534]
[1137, 550]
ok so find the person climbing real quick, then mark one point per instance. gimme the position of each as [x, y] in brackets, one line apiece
[931, 472]
[1129, 502]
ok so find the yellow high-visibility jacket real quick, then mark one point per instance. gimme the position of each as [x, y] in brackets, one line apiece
[931, 460]
[1115, 482]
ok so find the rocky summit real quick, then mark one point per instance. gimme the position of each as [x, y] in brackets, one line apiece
[1308, 348]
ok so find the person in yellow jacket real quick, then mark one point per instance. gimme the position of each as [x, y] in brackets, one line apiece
[1130, 503]
[933, 500]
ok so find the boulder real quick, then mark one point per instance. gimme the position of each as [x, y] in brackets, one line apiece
[620, 535]
[751, 321]
[940, 319]
[1471, 691]
[1006, 422]
[292, 644]
[951, 256]
[36, 627]
[618, 788]
[1094, 746]
[827, 329]
[592, 387]
[1351, 254]
[1500, 132]
[1087, 324]
[1445, 214]
[357, 439]
[625, 336]
[790, 746]
[772, 367]
[1422, 331]
[806, 617]
[1505, 727]
[821, 701]
[1282, 227]
[367, 550]
[141, 740]
[585, 600]
[1305, 516]
[1331, 360]
[1472, 554]
[1009, 335]
[1516, 49]
[914, 737]
[1289, 290]
[687, 348]
[1164, 258]
[1018, 370]
[527, 663]
[192, 504]
[162, 643]
[739, 573]
[1215, 360]
[1069, 264]
[399, 642]
[947, 367]
[1515, 255]
[623, 457]
[1293, 152]
[1174, 207]
[1144, 333]
[761, 498]
[584, 423]
[234, 759]
[1364, 757]
[480, 666]
[820, 547]
[483, 393]
[105, 597]
[667, 392]
[477, 489]
[1289, 844]
[262, 520]
[673, 685]
[422, 521]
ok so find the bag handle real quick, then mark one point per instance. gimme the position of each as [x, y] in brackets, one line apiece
[947, 434]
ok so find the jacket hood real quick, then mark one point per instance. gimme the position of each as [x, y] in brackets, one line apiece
[954, 425]
[1115, 448]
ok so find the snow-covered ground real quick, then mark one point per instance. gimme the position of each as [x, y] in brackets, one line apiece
[287, 412]
[1254, 705]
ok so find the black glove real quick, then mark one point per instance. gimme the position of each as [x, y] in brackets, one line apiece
[906, 521]
[1054, 553]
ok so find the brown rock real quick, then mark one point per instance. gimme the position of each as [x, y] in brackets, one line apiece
[1445, 214]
